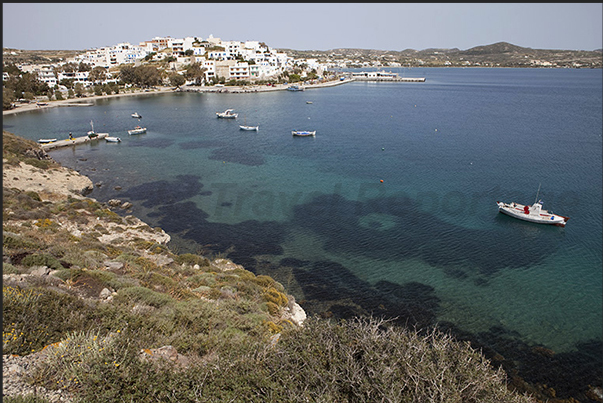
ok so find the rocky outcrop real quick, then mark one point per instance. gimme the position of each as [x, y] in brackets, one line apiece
[50, 184]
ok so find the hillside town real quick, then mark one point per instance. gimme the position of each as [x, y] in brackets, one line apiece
[220, 62]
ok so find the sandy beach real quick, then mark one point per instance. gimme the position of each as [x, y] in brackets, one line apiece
[88, 100]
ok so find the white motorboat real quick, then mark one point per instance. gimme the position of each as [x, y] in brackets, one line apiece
[111, 139]
[138, 130]
[534, 213]
[136, 115]
[227, 114]
[46, 141]
[303, 133]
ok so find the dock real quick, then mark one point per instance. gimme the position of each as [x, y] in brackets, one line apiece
[385, 76]
[71, 142]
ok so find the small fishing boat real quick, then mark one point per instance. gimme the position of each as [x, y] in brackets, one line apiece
[138, 130]
[136, 115]
[111, 139]
[46, 141]
[248, 128]
[227, 114]
[295, 88]
[303, 133]
[308, 102]
[534, 213]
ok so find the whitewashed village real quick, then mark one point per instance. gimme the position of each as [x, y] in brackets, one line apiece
[220, 62]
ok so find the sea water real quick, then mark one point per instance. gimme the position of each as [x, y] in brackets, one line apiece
[391, 208]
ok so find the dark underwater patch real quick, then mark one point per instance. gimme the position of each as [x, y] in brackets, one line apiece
[240, 241]
[190, 145]
[164, 192]
[233, 154]
[417, 234]
[152, 143]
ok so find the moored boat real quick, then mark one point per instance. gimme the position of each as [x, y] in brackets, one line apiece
[295, 88]
[136, 115]
[92, 134]
[46, 141]
[112, 139]
[249, 128]
[534, 213]
[303, 133]
[138, 130]
[227, 114]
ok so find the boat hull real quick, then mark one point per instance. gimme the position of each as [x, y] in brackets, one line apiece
[303, 133]
[112, 139]
[137, 131]
[249, 128]
[525, 213]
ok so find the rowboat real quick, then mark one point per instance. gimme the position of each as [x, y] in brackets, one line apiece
[138, 130]
[46, 141]
[110, 139]
[534, 213]
[303, 133]
[227, 114]
[249, 128]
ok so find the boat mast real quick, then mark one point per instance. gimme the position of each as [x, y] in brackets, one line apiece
[535, 200]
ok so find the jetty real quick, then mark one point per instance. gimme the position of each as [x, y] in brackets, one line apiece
[72, 142]
[384, 76]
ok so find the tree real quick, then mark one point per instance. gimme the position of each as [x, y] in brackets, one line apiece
[189, 52]
[8, 97]
[79, 89]
[147, 76]
[176, 80]
[195, 72]
[97, 74]
[127, 74]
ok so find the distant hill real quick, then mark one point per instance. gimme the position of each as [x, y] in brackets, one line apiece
[501, 54]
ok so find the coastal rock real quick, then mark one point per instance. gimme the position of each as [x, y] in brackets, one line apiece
[37, 153]
[51, 185]
[105, 293]
[39, 271]
[126, 205]
[114, 202]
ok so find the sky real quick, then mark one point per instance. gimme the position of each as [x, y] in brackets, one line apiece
[306, 26]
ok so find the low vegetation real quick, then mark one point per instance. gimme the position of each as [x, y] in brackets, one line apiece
[102, 314]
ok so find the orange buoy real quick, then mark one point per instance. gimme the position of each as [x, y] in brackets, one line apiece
[381, 180]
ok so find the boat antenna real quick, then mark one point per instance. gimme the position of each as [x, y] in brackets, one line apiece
[537, 192]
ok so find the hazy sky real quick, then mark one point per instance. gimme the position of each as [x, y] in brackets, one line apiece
[307, 26]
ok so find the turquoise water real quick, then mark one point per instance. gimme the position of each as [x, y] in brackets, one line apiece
[427, 244]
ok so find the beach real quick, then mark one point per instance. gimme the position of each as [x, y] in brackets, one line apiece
[86, 101]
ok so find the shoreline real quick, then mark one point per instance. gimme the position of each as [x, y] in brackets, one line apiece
[89, 100]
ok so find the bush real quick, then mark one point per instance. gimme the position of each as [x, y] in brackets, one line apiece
[143, 295]
[42, 260]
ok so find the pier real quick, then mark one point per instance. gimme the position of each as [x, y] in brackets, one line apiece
[71, 142]
[384, 76]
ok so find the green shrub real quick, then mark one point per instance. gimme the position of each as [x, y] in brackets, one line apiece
[143, 295]
[191, 259]
[30, 398]
[42, 260]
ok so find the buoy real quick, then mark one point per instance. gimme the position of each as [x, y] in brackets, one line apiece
[381, 180]
[382, 149]
[436, 130]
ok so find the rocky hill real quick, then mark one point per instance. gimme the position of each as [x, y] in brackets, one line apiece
[500, 54]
